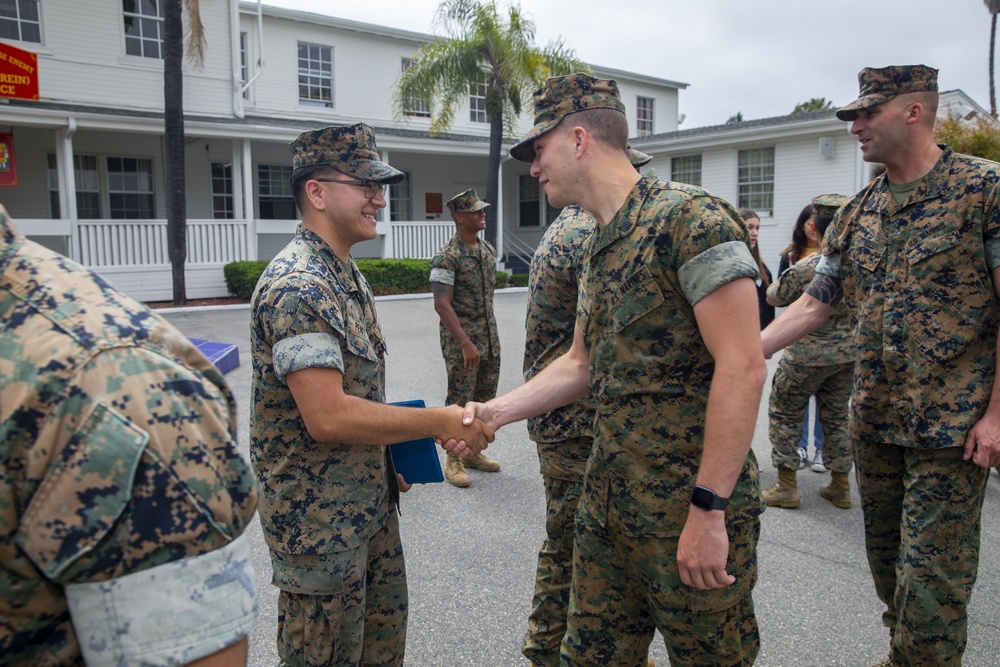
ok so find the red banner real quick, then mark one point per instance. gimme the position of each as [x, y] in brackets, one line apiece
[8, 169]
[18, 73]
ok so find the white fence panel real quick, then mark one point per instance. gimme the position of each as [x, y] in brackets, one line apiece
[105, 243]
[419, 240]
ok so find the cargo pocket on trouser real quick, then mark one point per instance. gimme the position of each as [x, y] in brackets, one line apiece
[320, 621]
[723, 623]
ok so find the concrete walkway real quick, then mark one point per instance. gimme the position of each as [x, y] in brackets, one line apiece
[471, 552]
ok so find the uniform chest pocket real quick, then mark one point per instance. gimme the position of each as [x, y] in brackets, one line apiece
[941, 268]
[868, 254]
[638, 295]
[84, 493]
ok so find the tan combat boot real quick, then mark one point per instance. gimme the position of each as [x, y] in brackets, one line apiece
[481, 462]
[785, 493]
[454, 472]
[838, 491]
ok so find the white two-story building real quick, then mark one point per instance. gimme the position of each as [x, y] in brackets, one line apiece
[89, 151]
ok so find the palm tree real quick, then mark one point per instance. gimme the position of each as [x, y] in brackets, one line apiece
[815, 104]
[994, 7]
[173, 128]
[483, 46]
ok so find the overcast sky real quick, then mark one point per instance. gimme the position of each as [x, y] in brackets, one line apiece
[760, 57]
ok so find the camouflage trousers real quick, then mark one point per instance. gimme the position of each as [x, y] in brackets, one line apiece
[624, 588]
[547, 622]
[471, 384]
[922, 520]
[345, 609]
[790, 391]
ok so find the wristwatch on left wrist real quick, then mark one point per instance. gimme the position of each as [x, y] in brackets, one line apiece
[706, 499]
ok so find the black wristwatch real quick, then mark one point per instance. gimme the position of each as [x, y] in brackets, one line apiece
[706, 499]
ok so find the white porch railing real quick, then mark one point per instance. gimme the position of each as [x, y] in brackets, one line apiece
[417, 240]
[144, 242]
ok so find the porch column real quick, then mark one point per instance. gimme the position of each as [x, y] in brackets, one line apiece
[384, 226]
[243, 156]
[67, 185]
[500, 223]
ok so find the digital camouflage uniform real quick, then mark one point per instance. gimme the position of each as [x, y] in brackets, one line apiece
[472, 273]
[564, 436]
[820, 365]
[916, 278]
[669, 246]
[119, 471]
[326, 508]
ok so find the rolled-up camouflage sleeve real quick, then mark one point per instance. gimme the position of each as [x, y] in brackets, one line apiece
[314, 328]
[173, 614]
[713, 250]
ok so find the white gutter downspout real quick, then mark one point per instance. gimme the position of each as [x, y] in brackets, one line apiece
[258, 70]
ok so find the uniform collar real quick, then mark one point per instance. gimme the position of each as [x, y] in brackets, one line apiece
[627, 216]
[347, 275]
[933, 185]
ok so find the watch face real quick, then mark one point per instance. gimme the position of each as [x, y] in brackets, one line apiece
[701, 497]
[707, 499]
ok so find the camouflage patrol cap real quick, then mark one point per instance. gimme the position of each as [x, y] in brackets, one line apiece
[881, 85]
[466, 202]
[561, 96]
[826, 206]
[350, 149]
[637, 158]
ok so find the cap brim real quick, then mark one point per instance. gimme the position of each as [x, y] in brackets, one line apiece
[524, 151]
[638, 158]
[370, 170]
[850, 112]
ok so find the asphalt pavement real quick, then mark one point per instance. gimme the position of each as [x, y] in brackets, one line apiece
[471, 553]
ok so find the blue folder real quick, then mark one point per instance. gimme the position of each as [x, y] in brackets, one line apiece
[417, 460]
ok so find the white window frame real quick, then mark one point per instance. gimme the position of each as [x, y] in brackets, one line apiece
[683, 167]
[274, 184]
[141, 19]
[315, 69]
[414, 107]
[401, 200]
[755, 179]
[136, 183]
[223, 202]
[644, 115]
[13, 14]
[477, 103]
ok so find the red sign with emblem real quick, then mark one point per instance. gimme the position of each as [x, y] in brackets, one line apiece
[8, 168]
[18, 73]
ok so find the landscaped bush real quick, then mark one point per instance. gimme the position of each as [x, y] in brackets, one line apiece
[386, 276]
[518, 280]
[241, 277]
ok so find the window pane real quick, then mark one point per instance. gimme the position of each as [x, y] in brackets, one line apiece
[315, 74]
[756, 179]
[686, 169]
[19, 20]
[130, 188]
[644, 115]
[222, 191]
[274, 199]
[401, 203]
[529, 201]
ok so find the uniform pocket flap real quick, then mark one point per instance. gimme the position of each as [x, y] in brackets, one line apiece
[84, 493]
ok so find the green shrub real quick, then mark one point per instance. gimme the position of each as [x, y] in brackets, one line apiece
[241, 277]
[396, 276]
[386, 276]
[519, 280]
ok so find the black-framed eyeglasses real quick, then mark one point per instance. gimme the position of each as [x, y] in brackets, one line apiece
[372, 188]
